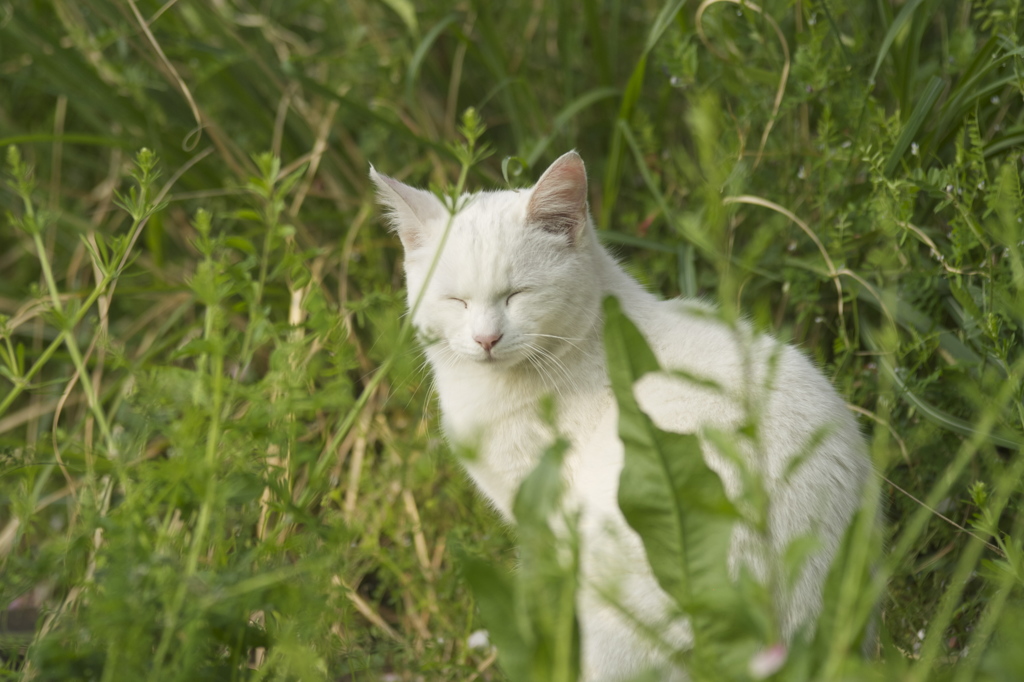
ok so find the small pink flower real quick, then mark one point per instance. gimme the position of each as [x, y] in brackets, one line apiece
[768, 661]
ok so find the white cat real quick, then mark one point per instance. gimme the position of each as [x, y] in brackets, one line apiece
[513, 312]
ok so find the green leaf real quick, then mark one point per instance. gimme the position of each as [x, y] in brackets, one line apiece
[495, 593]
[661, 23]
[921, 111]
[406, 12]
[894, 29]
[516, 171]
[412, 71]
[548, 574]
[1007, 438]
[531, 616]
[678, 506]
[567, 113]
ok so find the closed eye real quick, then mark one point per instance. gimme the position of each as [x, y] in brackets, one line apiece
[452, 298]
[514, 293]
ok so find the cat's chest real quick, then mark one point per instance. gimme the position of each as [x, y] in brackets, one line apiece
[498, 447]
[501, 433]
[501, 416]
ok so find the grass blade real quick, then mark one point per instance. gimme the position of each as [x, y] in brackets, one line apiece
[921, 111]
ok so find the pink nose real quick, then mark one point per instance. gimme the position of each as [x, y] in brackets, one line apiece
[487, 341]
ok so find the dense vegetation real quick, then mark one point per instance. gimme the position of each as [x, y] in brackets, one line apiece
[219, 455]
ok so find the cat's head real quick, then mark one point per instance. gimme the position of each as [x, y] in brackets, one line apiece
[514, 280]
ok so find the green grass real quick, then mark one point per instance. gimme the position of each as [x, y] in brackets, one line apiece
[219, 454]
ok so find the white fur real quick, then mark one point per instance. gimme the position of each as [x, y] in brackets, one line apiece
[530, 241]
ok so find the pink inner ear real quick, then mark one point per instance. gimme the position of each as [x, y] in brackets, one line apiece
[559, 200]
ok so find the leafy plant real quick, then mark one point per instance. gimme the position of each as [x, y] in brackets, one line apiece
[218, 454]
[531, 614]
[678, 505]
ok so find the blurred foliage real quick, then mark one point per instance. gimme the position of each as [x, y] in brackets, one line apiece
[218, 451]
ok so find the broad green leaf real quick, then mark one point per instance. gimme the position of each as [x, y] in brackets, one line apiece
[495, 593]
[678, 506]
[531, 615]
[547, 577]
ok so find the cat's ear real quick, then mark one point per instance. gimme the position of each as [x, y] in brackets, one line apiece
[558, 203]
[409, 210]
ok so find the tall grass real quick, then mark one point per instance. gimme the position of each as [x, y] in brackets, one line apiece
[219, 457]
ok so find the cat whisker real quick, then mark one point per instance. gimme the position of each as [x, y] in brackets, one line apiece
[547, 358]
[554, 336]
[535, 360]
[447, 357]
[567, 339]
[570, 377]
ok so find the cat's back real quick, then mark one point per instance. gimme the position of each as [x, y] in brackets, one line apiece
[711, 363]
[721, 375]
[688, 335]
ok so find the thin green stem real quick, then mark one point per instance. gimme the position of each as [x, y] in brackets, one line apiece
[78, 316]
[965, 567]
[1007, 582]
[72, 346]
[216, 375]
[915, 525]
[44, 262]
[404, 332]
